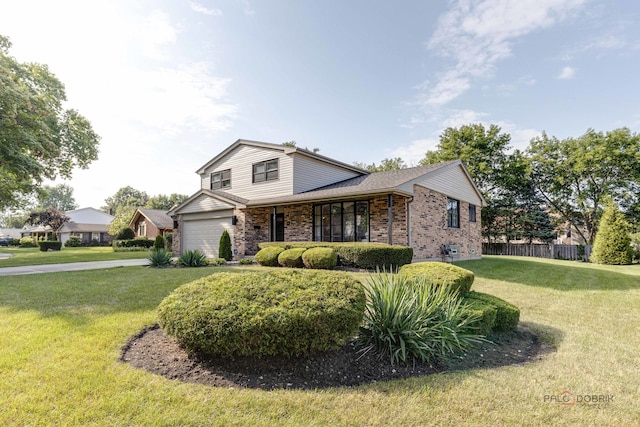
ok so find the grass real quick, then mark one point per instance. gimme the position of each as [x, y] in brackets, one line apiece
[61, 334]
[33, 256]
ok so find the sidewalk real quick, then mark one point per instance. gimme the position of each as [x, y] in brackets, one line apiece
[73, 266]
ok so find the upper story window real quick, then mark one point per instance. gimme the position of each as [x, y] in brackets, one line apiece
[472, 213]
[265, 171]
[221, 179]
[453, 213]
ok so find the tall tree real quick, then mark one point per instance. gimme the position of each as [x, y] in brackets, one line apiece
[51, 217]
[125, 196]
[165, 202]
[59, 197]
[613, 242]
[39, 139]
[575, 175]
[123, 215]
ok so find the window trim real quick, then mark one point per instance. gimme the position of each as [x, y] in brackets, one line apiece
[266, 172]
[320, 226]
[221, 181]
[453, 215]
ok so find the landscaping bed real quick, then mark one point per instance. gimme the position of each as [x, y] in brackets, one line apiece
[155, 352]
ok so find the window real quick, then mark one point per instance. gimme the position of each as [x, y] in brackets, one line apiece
[221, 179]
[265, 171]
[341, 222]
[472, 213]
[453, 213]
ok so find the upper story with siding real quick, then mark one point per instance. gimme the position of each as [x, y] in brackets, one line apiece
[255, 170]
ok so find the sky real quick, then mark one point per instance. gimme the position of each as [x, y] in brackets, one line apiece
[169, 84]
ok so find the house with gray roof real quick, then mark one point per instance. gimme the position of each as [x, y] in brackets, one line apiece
[262, 192]
[151, 223]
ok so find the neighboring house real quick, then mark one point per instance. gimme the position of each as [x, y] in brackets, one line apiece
[87, 224]
[262, 192]
[151, 223]
[12, 233]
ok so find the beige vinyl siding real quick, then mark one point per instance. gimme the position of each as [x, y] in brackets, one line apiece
[310, 174]
[453, 182]
[241, 161]
[204, 203]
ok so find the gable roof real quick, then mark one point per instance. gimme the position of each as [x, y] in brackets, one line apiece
[83, 228]
[89, 216]
[285, 149]
[157, 217]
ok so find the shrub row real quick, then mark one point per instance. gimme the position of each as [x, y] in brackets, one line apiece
[267, 313]
[366, 255]
[315, 258]
[139, 242]
[47, 245]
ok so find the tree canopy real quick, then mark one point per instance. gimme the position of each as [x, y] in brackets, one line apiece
[39, 138]
[59, 197]
[125, 196]
[385, 165]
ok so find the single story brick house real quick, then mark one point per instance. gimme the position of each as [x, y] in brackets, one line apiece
[262, 192]
[87, 224]
[151, 223]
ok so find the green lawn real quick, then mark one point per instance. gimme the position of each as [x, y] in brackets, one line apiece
[61, 335]
[33, 256]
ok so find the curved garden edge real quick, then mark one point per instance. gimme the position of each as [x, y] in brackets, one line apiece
[151, 350]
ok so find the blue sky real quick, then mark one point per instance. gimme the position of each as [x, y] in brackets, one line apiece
[169, 84]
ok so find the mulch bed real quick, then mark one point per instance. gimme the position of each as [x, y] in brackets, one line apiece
[155, 352]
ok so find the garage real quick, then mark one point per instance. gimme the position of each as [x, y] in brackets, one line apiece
[204, 234]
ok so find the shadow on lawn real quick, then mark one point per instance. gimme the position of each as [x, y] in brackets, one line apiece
[555, 274]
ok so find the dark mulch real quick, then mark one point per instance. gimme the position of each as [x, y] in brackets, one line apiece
[153, 351]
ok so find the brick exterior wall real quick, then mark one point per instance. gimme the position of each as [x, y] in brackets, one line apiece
[151, 231]
[429, 229]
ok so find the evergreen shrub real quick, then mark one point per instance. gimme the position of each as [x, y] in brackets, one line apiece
[457, 279]
[269, 256]
[280, 312]
[320, 258]
[291, 257]
[224, 248]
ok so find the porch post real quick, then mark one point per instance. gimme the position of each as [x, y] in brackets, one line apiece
[390, 217]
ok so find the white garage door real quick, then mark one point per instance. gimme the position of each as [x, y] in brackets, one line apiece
[204, 235]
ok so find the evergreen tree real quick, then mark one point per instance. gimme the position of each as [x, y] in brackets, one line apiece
[613, 242]
[224, 250]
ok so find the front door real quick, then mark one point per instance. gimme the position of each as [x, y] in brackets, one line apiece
[279, 227]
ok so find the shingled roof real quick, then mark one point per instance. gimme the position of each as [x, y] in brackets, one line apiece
[158, 217]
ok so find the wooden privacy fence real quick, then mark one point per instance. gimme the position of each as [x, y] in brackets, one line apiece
[536, 250]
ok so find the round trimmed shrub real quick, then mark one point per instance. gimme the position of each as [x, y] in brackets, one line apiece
[457, 279]
[282, 312]
[268, 256]
[320, 258]
[507, 314]
[291, 257]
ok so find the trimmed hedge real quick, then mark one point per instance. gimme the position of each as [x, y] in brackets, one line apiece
[50, 245]
[484, 312]
[269, 256]
[458, 279]
[140, 242]
[507, 314]
[320, 258]
[291, 257]
[285, 312]
[366, 255]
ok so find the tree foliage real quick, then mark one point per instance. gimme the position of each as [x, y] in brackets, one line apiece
[613, 242]
[59, 197]
[51, 217]
[385, 165]
[125, 197]
[164, 202]
[39, 138]
[123, 216]
[576, 175]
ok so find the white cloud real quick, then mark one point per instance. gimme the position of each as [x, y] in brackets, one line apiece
[567, 73]
[197, 7]
[477, 34]
[248, 9]
[156, 32]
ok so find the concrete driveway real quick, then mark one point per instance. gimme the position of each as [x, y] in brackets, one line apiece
[73, 266]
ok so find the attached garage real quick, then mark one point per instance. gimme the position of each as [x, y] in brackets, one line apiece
[204, 234]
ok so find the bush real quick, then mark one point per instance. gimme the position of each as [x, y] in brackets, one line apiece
[612, 244]
[245, 261]
[27, 242]
[159, 258]
[457, 279]
[407, 320]
[224, 248]
[291, 257]
[268, 313]
[158, 243]
[193, 258]
[218, 261]
[484, 313]
[507, 314]
[140, 242]
[269, 256]
[168, 238]
[73, 242]
[126, 234]
[50, 245]
[635, 245]
[370, 256]
[320, 258]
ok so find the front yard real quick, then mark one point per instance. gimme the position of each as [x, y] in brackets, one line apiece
[61, 335]
[33, 256]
